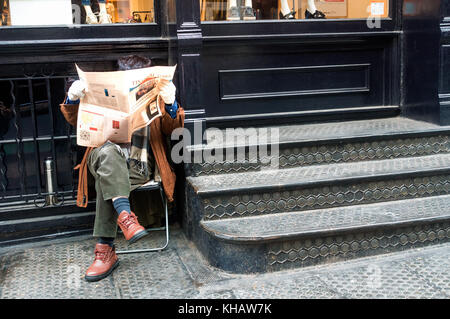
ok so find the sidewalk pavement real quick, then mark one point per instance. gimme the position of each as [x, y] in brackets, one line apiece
[55, 269]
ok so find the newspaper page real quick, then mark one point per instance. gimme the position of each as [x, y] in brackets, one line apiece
[116, 104]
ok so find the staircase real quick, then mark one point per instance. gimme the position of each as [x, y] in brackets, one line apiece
[25, 224]
[342, 190]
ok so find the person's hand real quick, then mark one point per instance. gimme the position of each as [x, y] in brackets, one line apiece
[77, 90]
[167, 91]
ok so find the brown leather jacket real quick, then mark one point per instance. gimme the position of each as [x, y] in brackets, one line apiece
[159, 129]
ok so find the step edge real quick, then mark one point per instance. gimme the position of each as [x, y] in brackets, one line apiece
[319, 233]
[413, 133]
[315, 183]
[12, 244]
[44, 219]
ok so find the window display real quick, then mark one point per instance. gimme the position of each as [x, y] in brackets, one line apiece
[251, 10]
[4, 13]
[67, 12]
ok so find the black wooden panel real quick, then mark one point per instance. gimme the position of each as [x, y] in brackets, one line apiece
[293, 81]
[444, 85]
[445, 9]
[271, 78]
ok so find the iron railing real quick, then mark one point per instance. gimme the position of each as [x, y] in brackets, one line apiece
[32, 129]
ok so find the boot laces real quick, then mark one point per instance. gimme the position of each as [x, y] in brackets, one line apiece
[101, 255]
[129, 221]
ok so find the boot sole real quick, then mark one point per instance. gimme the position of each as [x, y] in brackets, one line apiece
[102, 276]
[138, 236]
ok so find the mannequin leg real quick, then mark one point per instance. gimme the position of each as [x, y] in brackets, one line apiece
[311, 6]
[248, 11]
[232, 3]
[104, 17]
[102, 5]
[312, 12]
[233, 11]
[90, 16]
[285, 12]
[110, 10]
[3, 17]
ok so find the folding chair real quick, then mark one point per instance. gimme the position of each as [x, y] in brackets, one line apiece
[152, 185]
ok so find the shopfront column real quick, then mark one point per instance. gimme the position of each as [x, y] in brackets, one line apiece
[189, 37]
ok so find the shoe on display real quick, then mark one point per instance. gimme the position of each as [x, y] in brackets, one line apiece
[249, 14]
[233, 14]
[91, 18]
[317, 15]
[290, 15]
[104, 17]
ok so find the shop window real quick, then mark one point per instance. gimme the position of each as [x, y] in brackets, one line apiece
[68, 12]
[252, 10]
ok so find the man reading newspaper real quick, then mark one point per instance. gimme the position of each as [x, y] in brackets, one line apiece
[120, 167]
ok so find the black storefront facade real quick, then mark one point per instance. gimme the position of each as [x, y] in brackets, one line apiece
[229, 74]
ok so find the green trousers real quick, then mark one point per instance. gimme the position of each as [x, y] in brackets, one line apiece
[115, 176]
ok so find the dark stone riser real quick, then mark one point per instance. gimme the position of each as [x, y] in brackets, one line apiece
[293, 155]
[306, 252]
[292, 253]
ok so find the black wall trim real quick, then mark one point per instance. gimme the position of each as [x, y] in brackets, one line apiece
[306, 115]
[323, 37]
[230, 29]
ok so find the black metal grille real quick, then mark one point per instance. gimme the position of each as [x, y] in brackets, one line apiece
[32, 128]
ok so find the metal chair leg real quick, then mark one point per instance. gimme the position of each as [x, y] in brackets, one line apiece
[137, 251]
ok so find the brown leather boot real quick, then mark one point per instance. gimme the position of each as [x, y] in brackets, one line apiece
[130, 226]
[104, 264]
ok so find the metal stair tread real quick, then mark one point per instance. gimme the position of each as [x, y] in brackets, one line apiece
[313, 175]
[332, 221]
[316, 132]
[44, 219]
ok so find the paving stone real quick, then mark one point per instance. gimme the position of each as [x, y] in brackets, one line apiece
[56, 271]
[300, 286]
[383, 279]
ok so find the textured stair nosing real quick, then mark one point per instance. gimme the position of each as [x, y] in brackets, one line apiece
[325, 140]
[308, 234]
[428, 129]
[384, 208]
[314, 183]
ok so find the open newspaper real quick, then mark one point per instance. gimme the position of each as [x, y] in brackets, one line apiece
[116, 104]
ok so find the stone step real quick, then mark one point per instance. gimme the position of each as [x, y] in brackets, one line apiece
[324, 143]
[320, 186]
[298, 239]
[40, 228]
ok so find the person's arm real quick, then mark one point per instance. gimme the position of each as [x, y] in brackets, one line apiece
[69, 101]
[69, 107]
[70, 112]
[172, 109]
[173, 113]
